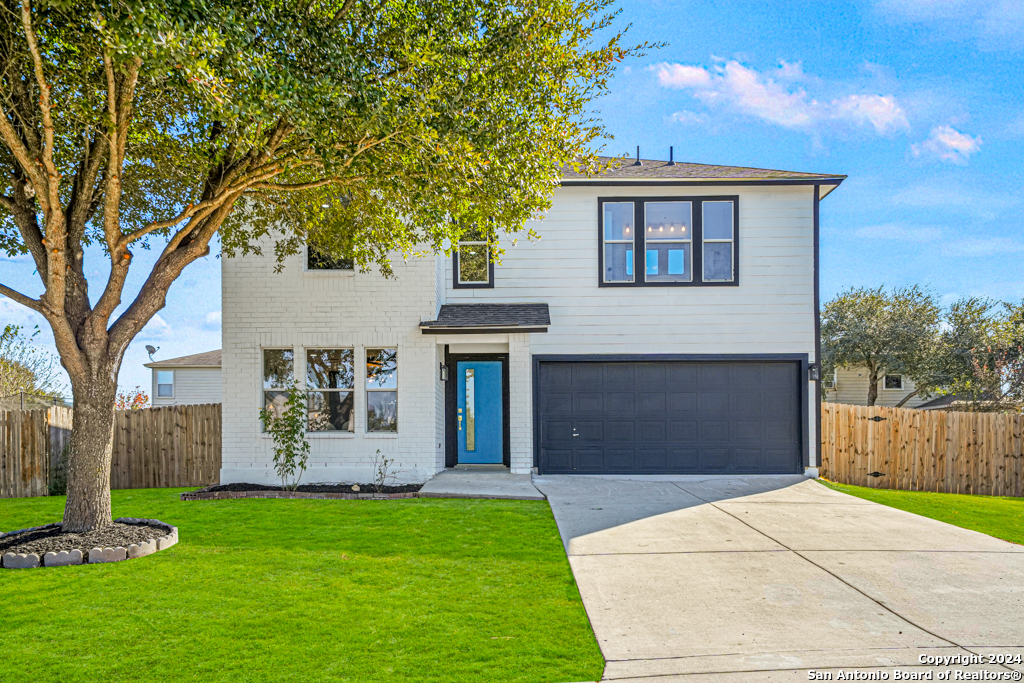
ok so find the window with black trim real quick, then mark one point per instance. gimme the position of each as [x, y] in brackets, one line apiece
[471, 262]
[668, 241]
[893, 382]
[319, 260]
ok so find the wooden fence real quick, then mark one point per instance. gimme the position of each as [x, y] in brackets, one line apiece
[922, 450]
[173, 446]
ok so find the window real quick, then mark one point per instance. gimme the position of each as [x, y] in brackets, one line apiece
[717, 232]
[893, 382]
[382, 390]
[668, 241]
[318, 260]
[330, 381]
[165, 383]
[278, 375]
[618, 241]
[830, 382]
[472, 262]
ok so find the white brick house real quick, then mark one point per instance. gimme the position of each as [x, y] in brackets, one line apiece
[688, 346]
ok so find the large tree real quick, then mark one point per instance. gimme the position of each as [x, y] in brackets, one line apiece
[886, 332]
[360, 126]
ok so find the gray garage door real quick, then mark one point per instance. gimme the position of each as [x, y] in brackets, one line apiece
[669, 417]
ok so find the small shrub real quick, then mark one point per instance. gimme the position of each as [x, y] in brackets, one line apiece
[287, 428]
[383, 474]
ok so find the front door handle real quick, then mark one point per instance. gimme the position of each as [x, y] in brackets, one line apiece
[460, 423]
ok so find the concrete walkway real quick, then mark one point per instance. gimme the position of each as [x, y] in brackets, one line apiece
[480, 481]
[727, 579]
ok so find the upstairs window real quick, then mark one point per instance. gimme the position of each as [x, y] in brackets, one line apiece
[670, 241]
[319, 260]
[893, 382]
[165, 383]
[330, 384]
[472, 264]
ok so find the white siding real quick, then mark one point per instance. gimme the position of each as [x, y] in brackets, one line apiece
[191, 386]
[771, 311]
[299, 309]
[852, 387]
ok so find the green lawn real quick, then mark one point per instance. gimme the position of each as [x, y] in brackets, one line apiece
[305, 590]
[995, 516]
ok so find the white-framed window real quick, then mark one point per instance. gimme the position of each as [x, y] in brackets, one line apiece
[319, 261]
[618, 236]
[165, 383]
[381, 390]
[278, 375]
[330, 390]
[892, 382]
[717, 236]
[830, 382]
[668, 241]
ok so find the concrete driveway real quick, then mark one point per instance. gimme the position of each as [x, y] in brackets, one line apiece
[766, 578]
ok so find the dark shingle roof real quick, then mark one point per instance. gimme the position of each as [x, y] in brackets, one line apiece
[488, 317]
[656, 169]
[207, 358]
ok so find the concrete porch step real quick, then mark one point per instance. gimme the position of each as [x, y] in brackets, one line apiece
[481, 481]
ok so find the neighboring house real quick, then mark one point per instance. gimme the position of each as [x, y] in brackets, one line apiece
[666, 322]
[850, 385]
[187, 380]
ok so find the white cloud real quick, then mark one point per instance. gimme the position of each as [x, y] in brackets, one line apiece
[994, 25]
[987, 246]
[901, 233]
[212, 321]
[773, 99]
[156, 329]
[687, 117]
[946, 143]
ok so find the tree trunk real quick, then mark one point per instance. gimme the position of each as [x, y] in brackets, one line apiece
[88, 503]
[906, 398]
[872, 387]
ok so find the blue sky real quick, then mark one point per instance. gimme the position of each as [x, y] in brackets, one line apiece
[918, 101]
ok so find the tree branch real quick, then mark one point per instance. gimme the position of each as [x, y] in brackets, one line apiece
[14, 295]
[45, 109]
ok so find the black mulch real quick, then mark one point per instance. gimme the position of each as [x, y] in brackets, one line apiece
[319, 488]
[55, 540]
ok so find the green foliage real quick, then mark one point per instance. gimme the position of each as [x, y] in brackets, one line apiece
[287, 428]
[888, 332]
[26, 367]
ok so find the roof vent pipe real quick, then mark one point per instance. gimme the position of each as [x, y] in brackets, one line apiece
[671, 158]
[638, 162]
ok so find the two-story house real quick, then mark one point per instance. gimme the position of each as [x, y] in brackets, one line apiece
[666, 322]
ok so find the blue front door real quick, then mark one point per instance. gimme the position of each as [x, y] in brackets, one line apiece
[479, 412]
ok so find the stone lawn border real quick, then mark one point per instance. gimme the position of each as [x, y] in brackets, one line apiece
[203, 494]
[94, 556]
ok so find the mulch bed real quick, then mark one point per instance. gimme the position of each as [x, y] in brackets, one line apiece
[53, 539]
[316, 488]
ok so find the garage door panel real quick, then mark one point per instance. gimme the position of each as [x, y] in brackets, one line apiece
[683, 460]
[620, 403]
[619, 459]
[652, 460]
[620, 431]
[556, 403]
[589, 460]
[714, 459]
[651, 403]
[682, 431]
[679, 403]
[554, 431]
[714, 403]
[588, 402]
[670, 417]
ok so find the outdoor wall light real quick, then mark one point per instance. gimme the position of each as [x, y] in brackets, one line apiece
[444, 372]
[814, 372]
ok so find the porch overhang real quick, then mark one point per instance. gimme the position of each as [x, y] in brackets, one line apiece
[489, 319]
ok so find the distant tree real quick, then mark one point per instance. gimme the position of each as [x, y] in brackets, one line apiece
[886, 332]
[27, 367]
[135, 399]
[360, 127]
[989, 373]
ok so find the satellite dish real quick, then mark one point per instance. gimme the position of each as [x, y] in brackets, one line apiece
[150, 350]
